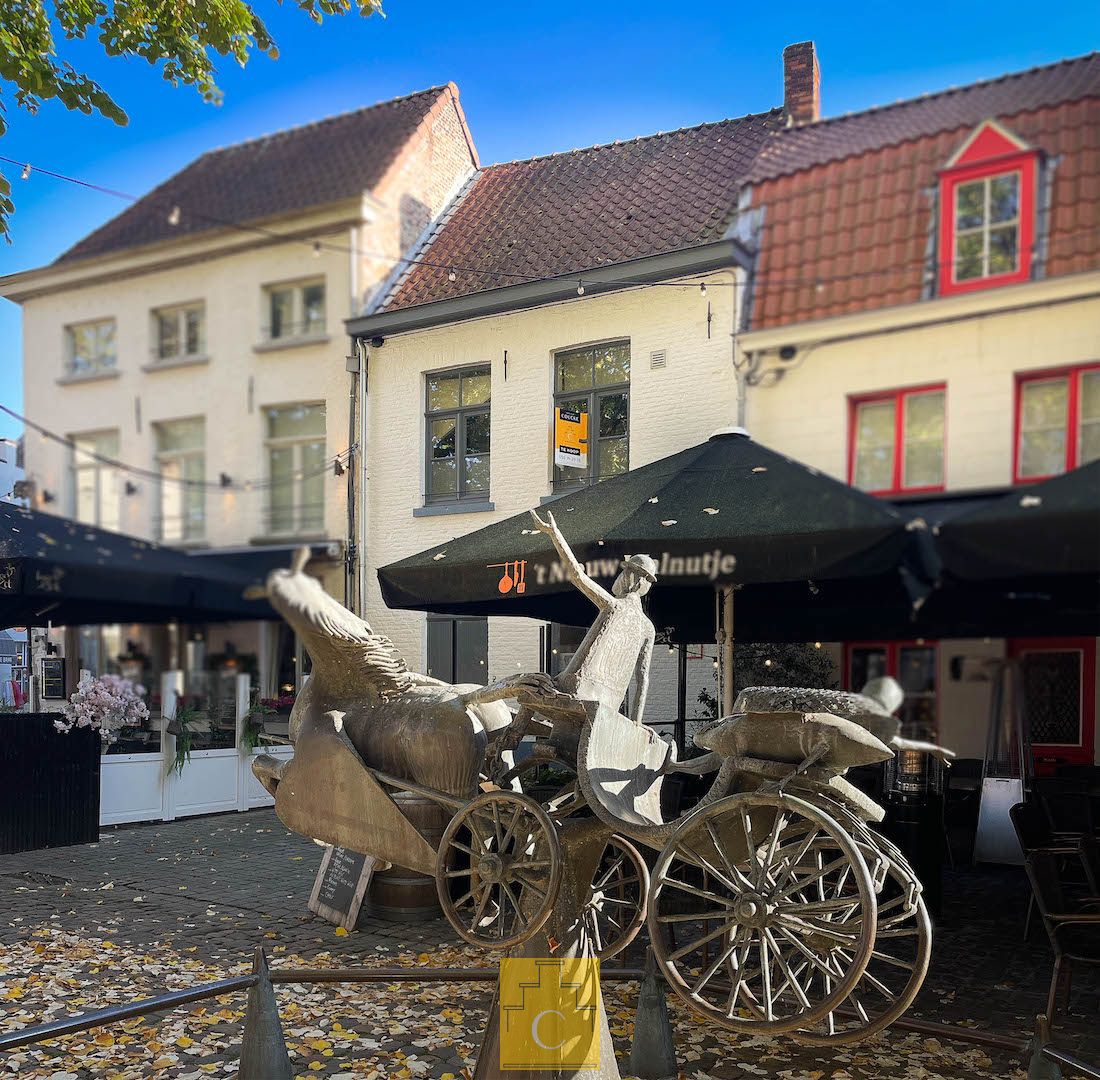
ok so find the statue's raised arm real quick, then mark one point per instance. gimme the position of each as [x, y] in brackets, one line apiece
[573, 568]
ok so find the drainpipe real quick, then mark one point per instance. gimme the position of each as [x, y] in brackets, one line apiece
[363, 351]
[350, 548]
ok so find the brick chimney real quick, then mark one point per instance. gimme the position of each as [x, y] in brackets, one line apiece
[801, 84]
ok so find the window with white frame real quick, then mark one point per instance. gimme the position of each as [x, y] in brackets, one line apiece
[95, 484]
[594, 381]
[294, 309]
[180, 332]
[458, 427]
[91, 347]
[295, 444]
[181, 461]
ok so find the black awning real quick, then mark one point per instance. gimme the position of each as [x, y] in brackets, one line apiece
[811, 557]
[53, 569]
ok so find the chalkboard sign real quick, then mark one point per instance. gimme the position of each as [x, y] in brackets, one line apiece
[53, 678]
[341, 885]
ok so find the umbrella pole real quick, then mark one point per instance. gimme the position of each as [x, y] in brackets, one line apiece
[724, 637]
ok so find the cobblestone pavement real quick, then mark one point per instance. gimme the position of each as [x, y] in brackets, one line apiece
[165, 906]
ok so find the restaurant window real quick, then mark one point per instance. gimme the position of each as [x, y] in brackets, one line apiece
[95, 484]
[457, 423]
[1057, 421]
[896, 441]
[594, 381]
[458, 649]
[1058, 684]
[295, 445]
[91, 347]
[294, 309]
[914, 665]
[181, 462]
[987, 195]
[180, 332]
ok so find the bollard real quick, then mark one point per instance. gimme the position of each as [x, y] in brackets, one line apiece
[653, 1052]
[263, 1048]
[1041, 1067]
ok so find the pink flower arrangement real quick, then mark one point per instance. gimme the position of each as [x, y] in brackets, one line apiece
[106, 704]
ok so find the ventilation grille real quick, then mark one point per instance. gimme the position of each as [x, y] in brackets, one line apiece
[658, 360]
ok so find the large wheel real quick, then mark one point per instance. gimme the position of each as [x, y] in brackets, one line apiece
[512, 872]
[616, 903]
[762, 913]
[898, 964]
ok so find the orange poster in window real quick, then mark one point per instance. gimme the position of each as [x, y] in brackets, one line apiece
[570, 438]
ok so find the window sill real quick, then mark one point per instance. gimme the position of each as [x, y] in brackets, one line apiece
[176, 362]
[460, 506]
[291, 342]
[186, 545]
[266, 539]
[91, 376]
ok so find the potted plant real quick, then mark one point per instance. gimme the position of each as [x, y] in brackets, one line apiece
[180, 726]
[254, 723]
[106, 704]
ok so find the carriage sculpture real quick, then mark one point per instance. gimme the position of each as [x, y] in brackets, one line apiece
[772, 905]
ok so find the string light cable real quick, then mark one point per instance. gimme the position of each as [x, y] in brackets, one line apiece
[337, 465]
[761, 281]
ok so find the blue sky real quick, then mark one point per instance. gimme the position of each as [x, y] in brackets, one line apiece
[534, 78]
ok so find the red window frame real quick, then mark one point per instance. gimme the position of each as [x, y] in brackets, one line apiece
[990, 151]
[1082, 753]
[1072, 373]
[897, 486]
[892, 649]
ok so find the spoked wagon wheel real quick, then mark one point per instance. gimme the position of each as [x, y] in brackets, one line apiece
[616, 903]
[762, 912]
[898, 964]
[509, 884]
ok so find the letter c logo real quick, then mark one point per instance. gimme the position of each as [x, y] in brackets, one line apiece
[535, 1029]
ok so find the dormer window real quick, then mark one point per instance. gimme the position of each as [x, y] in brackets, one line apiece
[987, 226]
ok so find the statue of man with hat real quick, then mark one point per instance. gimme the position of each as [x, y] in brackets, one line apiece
[619, 645]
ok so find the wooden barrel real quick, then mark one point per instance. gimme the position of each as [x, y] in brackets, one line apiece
[400, 894]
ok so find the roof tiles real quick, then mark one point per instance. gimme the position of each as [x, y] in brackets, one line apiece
[565, 213]
[323, 162]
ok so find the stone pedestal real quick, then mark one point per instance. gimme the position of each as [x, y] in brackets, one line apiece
[563, 937]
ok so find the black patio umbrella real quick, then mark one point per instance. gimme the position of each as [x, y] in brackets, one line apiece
[56, 570]
[1024, 564]
[809, 557]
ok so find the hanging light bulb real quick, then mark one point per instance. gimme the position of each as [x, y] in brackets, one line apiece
[174, 216]
[316, 249]
[26, 174]
[338, 468]
[580, 288]
[225, 480]
[716, 663]
[767, 663]
[817, 644]
[703, 289]
[451, 275]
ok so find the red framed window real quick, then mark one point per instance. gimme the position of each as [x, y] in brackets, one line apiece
[1057, 421]
[896, 440]
[987, 216]
[1058, 681]
[915, 665]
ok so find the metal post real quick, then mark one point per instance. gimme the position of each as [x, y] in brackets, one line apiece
[263, 1049]
[681, 698]
[653, 1051]
[725, 649]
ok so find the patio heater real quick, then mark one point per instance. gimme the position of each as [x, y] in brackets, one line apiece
[914, 801]
[1006, 770]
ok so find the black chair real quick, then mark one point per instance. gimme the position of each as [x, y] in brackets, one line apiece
[1067, 804]
[1074, 934]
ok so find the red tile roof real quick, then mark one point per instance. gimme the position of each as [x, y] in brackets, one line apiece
[565, 213]
[324, 162]
[849, 204]
[840, 137]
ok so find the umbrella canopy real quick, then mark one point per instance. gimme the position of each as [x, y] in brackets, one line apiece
[56, 570]
[1051, 529]
[1024, 564]
[810, 556]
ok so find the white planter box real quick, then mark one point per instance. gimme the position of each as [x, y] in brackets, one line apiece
[208, 783]
[131, 788]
